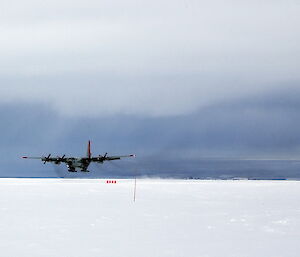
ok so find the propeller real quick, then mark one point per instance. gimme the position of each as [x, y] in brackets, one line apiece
[47, 158]
[102, 157]
[59, 159]
[62, 158]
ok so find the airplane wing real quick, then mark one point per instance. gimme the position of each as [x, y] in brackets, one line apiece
[56, 160]
[103, 158]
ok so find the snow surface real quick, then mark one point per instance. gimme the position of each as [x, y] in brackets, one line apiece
[82, 218]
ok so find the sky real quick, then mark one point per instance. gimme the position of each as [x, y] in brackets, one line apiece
[169, 80]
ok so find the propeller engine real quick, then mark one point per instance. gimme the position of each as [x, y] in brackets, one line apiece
[60, 159]
[47, 158]
[102, 157]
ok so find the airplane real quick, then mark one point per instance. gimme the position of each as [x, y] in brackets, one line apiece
[75, 164]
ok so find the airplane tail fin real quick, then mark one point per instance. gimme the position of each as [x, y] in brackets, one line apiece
[89, 154]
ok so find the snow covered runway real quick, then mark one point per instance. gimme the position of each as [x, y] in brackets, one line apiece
[83, 218]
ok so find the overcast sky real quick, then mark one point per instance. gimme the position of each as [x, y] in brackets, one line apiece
[186, 78]
[152, 58]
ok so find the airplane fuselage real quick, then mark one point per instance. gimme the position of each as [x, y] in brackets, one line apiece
[78, 164]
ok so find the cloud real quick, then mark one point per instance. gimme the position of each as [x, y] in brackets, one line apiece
[199, 144]
[173, 81]
[155, 59]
